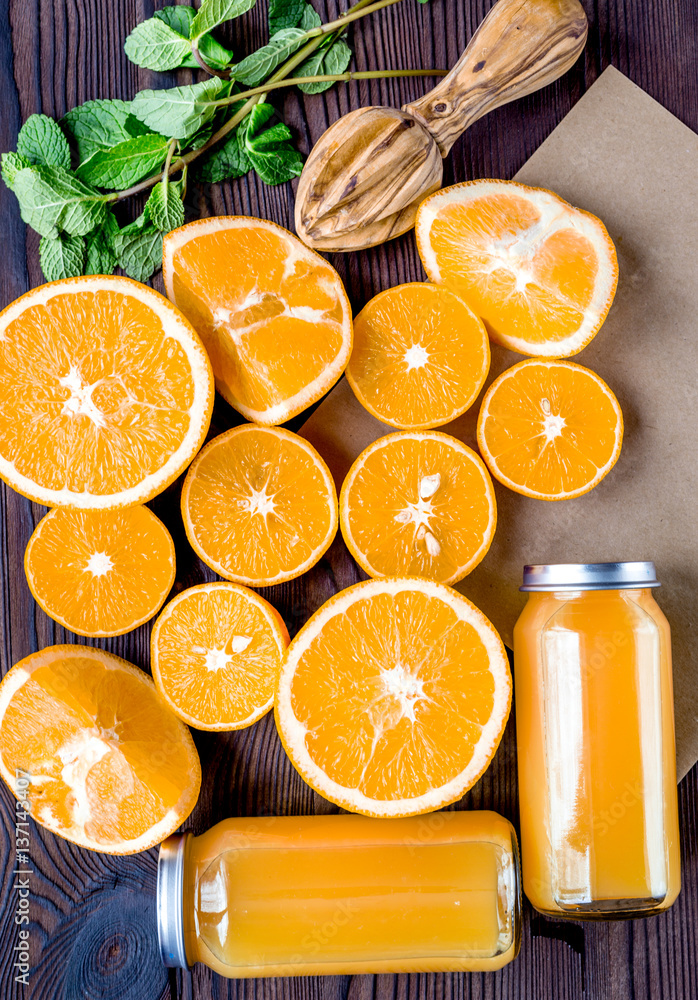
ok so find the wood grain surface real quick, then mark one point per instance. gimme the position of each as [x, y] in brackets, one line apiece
[92, 919]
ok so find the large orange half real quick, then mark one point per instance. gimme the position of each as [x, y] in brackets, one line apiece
[272, 313]
[100, 757]
[106, 393]
[540, 273]
[393, 697]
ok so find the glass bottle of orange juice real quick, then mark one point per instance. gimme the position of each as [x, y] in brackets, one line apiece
[595, 731]
[341, 894]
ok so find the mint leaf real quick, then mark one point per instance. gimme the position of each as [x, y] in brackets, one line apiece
[214, 54]
[179, 111]
[214, 12]
[61, 257]
[153, 44]
[125, 163]
[41, 141]
[164, 207]
[51, 198]
[284, 14]
[99, 256]
[309, 18]
[270, 152]
[179, 18]
[225, 162]
[97, 125]
[325, 61]
[138, 249]
[12, 163]
[257, 66]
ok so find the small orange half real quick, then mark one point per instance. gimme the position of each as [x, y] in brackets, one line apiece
[272, 313]
[418, 503]
[100, 572]
[216, 651]
[420, 356]
[259, 505]
[540, 273]
[550, 429]
[102, 759]
[393, 697]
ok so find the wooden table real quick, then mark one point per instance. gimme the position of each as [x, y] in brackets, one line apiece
[93, 924]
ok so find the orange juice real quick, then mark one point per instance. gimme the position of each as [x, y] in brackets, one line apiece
[340, 894]
[595, 730]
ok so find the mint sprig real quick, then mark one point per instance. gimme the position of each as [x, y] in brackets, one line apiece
[67, 175]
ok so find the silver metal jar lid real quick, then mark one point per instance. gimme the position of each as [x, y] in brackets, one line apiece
[170, 901]
[590, 576]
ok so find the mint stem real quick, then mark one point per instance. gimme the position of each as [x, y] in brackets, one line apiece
[381, 74]
[353, 14]
[224, 75]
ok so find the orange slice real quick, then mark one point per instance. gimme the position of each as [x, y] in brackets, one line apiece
[259, 505]
[216, 651]
[105, 393]
[550, 429]
[273, 314]
[393, 698]
[540, 273]
[100, 572]
[420, 356]
[102, 760]
[418, 503]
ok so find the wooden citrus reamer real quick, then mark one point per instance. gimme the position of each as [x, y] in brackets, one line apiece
[367, 174]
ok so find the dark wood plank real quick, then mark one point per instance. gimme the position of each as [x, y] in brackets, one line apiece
[92, 930]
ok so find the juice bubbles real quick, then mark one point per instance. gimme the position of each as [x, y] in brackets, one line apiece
[309, 895]
[595, 730]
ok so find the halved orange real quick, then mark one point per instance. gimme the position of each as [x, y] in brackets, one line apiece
[259, 505]
[550, 429]
[540, 273]
[102, 760]
[216, 651]
[272, 313]
[418, 503]
[420, 356]
[393, 697]
[106, 393]
[100, 572]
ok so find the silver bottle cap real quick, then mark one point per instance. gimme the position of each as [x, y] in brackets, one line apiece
[590, 576]
[170, 901]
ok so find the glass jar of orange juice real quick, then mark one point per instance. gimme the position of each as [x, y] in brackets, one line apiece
[340, 894]
[595, 731]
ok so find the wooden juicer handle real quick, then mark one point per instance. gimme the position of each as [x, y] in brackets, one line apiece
[521, 46]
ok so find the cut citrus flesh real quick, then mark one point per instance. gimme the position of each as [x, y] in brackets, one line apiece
[272, 313]
[259, 505]
[418, 503]
[420, 356]
[216, 651]
[393, 698]
[109, 766]
[106, 393]
[100, 572]
[540, 273]
[550, 429]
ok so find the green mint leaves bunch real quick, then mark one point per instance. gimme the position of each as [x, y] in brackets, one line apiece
[68, 175]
